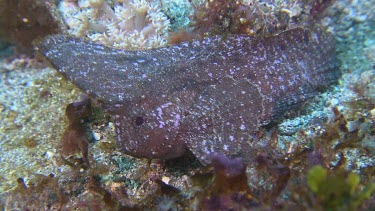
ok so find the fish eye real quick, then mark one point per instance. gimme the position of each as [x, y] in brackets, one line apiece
[138, 121]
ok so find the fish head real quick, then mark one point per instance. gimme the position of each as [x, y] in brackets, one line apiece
[150, 127]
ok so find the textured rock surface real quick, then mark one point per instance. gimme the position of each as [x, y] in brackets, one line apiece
[208, 95]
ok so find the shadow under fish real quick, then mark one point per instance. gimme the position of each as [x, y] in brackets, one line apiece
[206, 95]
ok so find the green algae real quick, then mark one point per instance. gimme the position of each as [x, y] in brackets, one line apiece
[338, 190]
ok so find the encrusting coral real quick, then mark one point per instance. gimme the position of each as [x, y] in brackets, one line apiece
[136, 24]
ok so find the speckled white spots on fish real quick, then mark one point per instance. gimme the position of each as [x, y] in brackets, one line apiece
[207, 95]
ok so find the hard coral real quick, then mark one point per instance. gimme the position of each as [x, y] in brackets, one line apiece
[136, 24]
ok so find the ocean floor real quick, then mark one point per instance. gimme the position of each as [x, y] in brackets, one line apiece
[36, 175]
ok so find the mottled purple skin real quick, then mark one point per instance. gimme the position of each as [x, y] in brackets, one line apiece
[207, 95]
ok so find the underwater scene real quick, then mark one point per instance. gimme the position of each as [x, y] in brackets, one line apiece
[187, 105]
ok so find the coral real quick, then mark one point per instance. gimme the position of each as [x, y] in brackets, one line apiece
[136, 24]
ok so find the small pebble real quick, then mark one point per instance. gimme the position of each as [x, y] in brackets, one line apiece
[372, 113]
[97, 136]
[165, 179]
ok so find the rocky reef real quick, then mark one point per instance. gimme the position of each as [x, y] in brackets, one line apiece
[59, 150]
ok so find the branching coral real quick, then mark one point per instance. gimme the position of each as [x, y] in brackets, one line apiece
[136, 24]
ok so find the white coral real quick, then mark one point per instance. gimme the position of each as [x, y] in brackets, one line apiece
[133, 24]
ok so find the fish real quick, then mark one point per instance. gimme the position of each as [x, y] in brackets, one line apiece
[205, 96]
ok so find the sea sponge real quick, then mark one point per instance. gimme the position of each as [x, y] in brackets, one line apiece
[134, 24]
